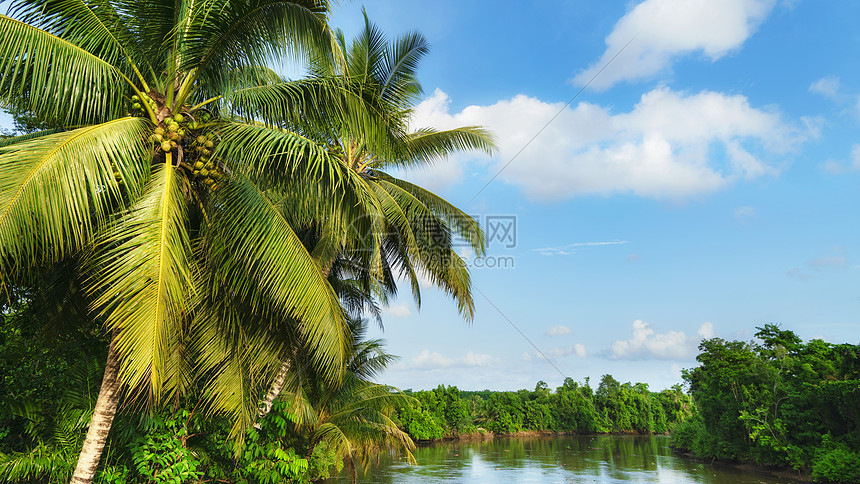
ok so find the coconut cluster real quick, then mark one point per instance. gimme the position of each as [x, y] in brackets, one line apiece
[189, 135]
[206, 168]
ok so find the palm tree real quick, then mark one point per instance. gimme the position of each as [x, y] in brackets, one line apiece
[160, 178]
[352, 416]
[408, 230]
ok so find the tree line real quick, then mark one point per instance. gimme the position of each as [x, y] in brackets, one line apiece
[447, 412]
[779, 402]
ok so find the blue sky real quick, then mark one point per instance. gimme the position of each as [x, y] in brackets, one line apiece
[706, 182]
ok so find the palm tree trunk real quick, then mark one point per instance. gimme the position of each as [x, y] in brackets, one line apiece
[274, 391]
[103, 414]
[281, 377]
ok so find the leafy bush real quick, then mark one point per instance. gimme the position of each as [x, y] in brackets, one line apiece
[835, 462]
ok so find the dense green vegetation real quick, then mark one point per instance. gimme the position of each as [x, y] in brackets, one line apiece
[572, 407]
[778, 402]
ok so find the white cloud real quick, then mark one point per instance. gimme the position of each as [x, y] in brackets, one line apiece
[428, 360]
[837, 167]
[706, 330]
[829, 86]
[570, 249]
[664, 30]
[556, 353]
[400, 310]
[648, 344]
[577, 349]
[670, 145]
[558, 330]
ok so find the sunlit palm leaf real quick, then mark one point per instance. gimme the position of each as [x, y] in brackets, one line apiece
[465, 225]
[59, 80]
[57, 189]
[438, 260]
[399, 82]
[145, 280]
[225, 36]
[428, 146]
[93, 25]
[257, 253]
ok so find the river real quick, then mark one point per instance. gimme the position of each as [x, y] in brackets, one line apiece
[610, 459]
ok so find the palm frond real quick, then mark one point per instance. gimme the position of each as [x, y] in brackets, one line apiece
[465, 225]
[228, 36]
[58, 79]
[399, 82]
[55, 190]
[144, 276]
[259, 257]
[428, 146]
[39, 464]
[24, 137]
[93, 25]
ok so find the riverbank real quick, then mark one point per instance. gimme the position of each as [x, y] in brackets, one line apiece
[784, 472]
[483, 434]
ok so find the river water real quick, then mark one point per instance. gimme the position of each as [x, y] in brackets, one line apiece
[590, 459]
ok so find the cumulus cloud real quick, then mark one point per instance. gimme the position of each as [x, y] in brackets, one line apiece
[670, 145]
[556, 353]
[558, 330]
[648, 344]
[829, 86]
[838, 167]
[428, 360]
[400, 310]
[664, 30]
[706, 330]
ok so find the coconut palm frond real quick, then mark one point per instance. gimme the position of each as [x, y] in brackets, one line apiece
[41, 464]
[93, 25]
[152, 27]
[260, 257]
[398, 78]
[57, 189]
[146, 257]
[59, 80]
[225, 36]
[428, 146]
[463, 224]
[24, 137]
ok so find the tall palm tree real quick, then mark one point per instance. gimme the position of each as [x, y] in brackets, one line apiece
[352, 416]
[410, 231]
[160, 176]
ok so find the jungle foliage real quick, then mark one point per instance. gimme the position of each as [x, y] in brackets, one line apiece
[779, 402]
[573, 407]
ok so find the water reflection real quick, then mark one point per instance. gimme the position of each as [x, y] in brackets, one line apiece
[611, 459]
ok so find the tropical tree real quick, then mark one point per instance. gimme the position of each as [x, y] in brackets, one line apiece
[159, 178]
[352, 416]
[407, 231]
